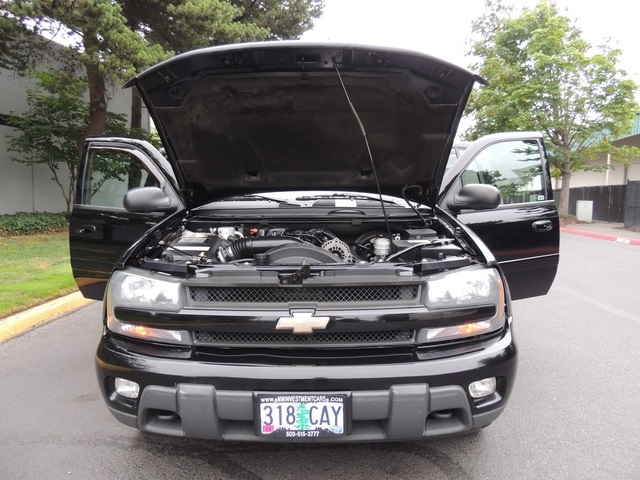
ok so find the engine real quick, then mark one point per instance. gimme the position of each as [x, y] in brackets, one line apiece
[286, 246]
[202, 247]
[274, 246]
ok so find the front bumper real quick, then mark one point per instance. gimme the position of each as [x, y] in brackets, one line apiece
[404, 401]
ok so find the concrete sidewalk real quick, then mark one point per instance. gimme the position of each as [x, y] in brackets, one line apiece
[15, 325]
[614, 232]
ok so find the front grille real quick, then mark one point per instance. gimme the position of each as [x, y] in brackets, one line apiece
[385, 337]
[343, 294]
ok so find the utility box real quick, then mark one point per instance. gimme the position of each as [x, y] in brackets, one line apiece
[584, 211]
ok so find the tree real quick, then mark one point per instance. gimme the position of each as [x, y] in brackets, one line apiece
[47, 133]
[10, 35]
[19, 46]
[114, 40]
[543, 76]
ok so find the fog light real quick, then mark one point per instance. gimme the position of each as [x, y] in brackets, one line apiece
[483, 388]
[127, 388]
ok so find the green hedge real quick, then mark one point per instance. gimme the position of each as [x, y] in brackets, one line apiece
[23, 223]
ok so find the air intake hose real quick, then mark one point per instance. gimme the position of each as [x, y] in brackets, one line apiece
[248, 247]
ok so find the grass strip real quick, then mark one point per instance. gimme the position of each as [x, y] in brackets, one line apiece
[33, 270]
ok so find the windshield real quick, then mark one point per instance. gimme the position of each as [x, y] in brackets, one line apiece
[455, 153]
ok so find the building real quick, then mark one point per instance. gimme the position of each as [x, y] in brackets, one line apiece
[617, 173]
[25, 188]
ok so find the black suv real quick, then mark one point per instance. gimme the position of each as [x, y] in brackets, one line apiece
[303, 265]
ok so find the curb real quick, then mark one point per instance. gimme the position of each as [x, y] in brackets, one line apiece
[15, 325]
[601, 236]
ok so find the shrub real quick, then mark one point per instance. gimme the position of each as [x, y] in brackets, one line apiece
[23, 223]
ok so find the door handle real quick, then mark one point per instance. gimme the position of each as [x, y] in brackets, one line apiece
[542, 226]
[86, 229]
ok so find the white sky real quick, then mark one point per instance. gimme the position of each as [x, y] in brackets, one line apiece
[440, 28]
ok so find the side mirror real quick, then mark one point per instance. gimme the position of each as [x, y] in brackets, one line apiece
[147, 199]
[475, 196]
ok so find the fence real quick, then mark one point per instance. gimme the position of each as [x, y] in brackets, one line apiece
[612, 204]
[632, 206]
[608, 202]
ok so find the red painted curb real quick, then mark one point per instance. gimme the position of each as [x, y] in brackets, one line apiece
[601, 236]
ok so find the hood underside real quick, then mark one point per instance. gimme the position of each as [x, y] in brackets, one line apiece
[275, 116]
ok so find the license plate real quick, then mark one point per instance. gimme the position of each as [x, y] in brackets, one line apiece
[299, 415]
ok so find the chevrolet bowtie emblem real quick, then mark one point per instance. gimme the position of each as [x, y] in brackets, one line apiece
[302, 322]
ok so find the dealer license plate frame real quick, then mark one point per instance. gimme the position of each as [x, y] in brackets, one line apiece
[280, 429]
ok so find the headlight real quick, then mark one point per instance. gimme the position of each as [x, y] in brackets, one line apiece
[464, 287]
[138, 291]
[471, 287]
[142, 290]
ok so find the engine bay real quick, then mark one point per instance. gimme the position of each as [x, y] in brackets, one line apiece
[198, 244]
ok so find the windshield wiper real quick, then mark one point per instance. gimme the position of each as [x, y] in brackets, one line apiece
[249, 197]
[342, 196]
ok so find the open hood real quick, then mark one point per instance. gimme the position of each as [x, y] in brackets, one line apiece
[274, 116]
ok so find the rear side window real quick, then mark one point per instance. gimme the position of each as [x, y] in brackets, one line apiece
[514, 167]
[110, 174]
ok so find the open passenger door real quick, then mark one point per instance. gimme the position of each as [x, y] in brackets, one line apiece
[523, 232]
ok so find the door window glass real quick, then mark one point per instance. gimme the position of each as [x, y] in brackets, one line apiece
[515, 167]
[110, 174]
